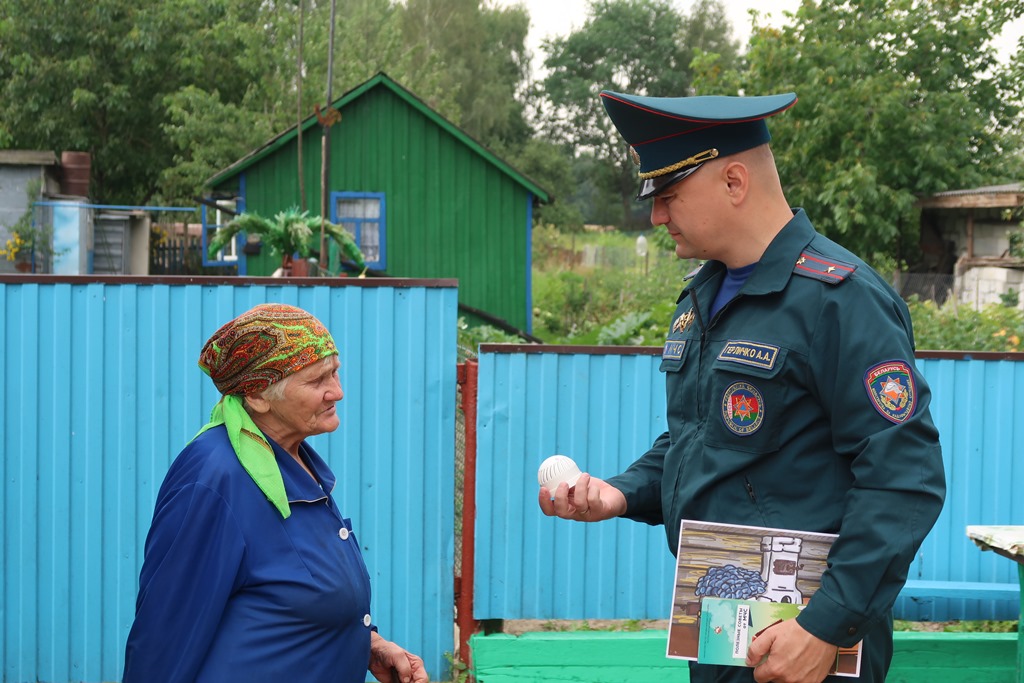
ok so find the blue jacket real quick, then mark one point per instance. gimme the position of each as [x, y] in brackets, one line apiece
[229, 590]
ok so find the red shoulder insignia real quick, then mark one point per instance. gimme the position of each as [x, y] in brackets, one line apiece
[823, 268]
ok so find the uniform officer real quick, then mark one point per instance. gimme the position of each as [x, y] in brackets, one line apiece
[793, 398]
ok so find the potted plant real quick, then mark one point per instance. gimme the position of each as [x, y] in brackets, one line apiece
[27, 239]
[288, 233]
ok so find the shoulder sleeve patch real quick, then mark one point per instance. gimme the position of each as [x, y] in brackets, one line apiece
[823, 268]
[892, 390]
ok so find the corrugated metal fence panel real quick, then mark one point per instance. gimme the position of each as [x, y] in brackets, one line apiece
[601, 410]
[101, 391]
[975, 409]
[605, 410]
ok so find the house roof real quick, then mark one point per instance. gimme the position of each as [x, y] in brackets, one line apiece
[380, 80]
[987, 197]
[27, 157]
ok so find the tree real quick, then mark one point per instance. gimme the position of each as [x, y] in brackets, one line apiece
[898, 98]
[212, 126]
[633, 46]
[551, 166]
[93, 76]
[164, 93]
[478, 53]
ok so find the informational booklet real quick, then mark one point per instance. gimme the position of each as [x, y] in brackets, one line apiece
[734, 582]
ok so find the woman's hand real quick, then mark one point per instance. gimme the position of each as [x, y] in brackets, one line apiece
[388, 660]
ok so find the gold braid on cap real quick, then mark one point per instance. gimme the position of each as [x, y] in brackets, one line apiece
[698, 158]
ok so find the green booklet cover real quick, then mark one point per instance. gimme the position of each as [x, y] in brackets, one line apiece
[727, 627]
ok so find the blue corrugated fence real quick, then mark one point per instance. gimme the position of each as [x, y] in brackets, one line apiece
[605, 407]
[102, 390]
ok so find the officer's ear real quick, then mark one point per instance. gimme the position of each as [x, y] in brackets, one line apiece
[736, 178]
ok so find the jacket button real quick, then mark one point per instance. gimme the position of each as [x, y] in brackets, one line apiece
[343, 533]
[852, 630]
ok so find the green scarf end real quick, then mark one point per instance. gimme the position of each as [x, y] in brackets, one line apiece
[252, 448]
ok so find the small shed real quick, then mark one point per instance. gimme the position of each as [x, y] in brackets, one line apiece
[25, 175]
[422, 198]
[967, 233]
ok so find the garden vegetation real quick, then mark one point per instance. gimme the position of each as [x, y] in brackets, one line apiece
[593, 289]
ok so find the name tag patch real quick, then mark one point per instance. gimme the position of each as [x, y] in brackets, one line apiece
[673, 350]
[750, 353]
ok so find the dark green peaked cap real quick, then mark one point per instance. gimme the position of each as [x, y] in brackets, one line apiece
[671, 137]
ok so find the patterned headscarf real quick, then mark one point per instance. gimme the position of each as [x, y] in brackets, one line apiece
[263, 346]
[244, 357]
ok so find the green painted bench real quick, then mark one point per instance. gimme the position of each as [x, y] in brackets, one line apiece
[635, 657]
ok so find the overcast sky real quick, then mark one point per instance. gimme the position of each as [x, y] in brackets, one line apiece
[550, 18]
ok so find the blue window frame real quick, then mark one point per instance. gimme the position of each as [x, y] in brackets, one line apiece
[232, 254]
[363, 215]
[213, 219]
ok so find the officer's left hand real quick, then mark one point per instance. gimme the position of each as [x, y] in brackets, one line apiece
[786, 653]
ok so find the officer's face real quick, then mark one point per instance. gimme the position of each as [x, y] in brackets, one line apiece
[683, 209]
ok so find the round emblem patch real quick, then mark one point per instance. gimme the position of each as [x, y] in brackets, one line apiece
[891, 388]
[742, 409]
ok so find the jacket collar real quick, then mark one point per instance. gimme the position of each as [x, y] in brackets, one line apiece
[776, 265]
[297, 483]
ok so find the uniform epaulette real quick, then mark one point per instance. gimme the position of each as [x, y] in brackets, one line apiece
[686, 279]
[693, 273]
[823, 268]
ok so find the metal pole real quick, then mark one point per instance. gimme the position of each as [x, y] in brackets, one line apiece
[468, 378]
[325, 147]
[298, 105]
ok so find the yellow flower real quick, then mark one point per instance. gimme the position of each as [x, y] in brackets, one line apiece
[1000, 333]
[12, 248]
[1014, 339]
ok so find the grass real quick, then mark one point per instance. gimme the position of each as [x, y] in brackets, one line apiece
[982, 626]
[514, 627]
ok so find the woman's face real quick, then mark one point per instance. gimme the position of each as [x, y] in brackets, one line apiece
[307, 406]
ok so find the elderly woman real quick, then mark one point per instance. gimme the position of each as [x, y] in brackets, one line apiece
[250, 571]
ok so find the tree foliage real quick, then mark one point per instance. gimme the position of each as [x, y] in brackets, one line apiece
[479, 54]
[898, 98]
[550, 166]
[164, 93]
[634, 46]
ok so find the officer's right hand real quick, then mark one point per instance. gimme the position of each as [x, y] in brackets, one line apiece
[591, 500]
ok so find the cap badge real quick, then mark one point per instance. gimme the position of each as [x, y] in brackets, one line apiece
[634, 156]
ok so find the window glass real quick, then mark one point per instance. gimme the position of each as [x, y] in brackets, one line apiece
[369, 242]
[362, 216]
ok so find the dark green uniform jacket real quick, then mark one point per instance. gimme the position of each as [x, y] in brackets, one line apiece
[799, 406]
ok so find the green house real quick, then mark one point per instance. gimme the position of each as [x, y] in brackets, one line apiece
[420, 196]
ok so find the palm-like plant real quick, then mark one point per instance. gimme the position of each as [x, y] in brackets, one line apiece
[289, 232]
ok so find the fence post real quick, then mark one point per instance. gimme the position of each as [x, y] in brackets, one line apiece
[467, 377]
